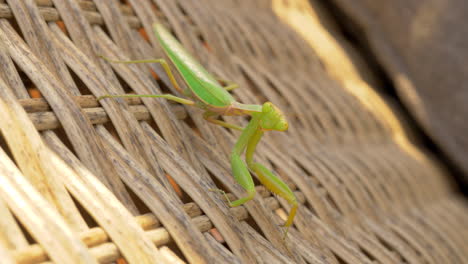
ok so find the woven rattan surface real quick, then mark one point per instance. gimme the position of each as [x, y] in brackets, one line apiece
[87, 182]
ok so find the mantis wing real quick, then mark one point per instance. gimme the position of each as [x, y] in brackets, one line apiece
[203, 85]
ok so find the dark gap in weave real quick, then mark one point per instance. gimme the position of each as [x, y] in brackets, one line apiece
[255, 180]
[286, 52]
[184, 197]
[219, 184]
[79, 83]
[140, 205]
[340, 260]
[25, 232]
[162, 85]
[324, 160]
[127, 89]
[333, 203]
[60, 133]
[277, 91]
[386, 192]
[181, 9]
[111, 129]
[6, 148]
[406, 242]
[252, 223]
[335, 122]
[106, 31]
[228, 43]
[310, 207]
[368, 254]
[84, 214]
[314, 179]
[172, 245]
[28, 84]
[344, 169]
[203, 42]
[322, 105]
[350, 123]
[62, 26]
[266, 47]
[390, 248]
[316, 121]
[250, 83]
[356, 205]
[357, 38]
[328, 197]
[250, 48]
[14, 24]
[189, 121]
[221, 243]
[154, 126]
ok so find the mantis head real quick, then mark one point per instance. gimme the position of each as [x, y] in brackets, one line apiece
[272, 118]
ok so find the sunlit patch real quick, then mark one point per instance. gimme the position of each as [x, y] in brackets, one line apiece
[338, 64]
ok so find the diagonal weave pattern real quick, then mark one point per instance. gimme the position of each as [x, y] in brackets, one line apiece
[87, 182]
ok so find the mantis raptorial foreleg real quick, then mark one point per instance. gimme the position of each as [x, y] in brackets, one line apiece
[249, 139]
[239, 169]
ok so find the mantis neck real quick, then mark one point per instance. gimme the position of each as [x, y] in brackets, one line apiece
[251, 146]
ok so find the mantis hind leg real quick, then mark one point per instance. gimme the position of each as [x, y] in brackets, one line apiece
[163, 63]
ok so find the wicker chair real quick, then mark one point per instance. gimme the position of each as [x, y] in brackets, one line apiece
[126, 181]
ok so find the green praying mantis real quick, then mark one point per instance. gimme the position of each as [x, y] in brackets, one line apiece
[207, 94]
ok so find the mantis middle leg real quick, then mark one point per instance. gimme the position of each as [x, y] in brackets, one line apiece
[163, 63]
[230, 85]
[239, 168]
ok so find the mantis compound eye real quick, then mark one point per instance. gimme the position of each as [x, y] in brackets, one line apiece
[272, 118]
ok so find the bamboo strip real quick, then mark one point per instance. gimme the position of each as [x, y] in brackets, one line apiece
[96, 237]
